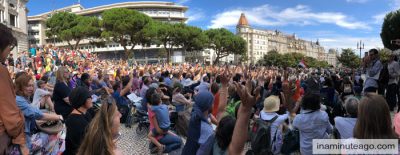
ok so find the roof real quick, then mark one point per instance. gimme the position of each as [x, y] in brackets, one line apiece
[136, 4]
[243, 21]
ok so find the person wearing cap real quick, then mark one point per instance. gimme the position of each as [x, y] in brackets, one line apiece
[268, 113]
[78, 120]
[200, 128]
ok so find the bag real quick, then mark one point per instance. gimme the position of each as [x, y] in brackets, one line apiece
[291, 141]
[261, 142]
[384, 75]
[49, 127]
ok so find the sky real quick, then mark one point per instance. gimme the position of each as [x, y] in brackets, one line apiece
[335, 23]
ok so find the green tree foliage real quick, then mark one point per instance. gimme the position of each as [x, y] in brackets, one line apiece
[190, 38]
[67, 27]
[391, 29]
[273, 58]
[167, 35]
[384, 54]
[127, 27]
[349, 59]
[224, 43]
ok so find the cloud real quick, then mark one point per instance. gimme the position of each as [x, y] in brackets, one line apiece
[344, 41]
[267, 15]
[195, 14]
[378, 19]
[182, 1]
[394, 5]
[356, 1]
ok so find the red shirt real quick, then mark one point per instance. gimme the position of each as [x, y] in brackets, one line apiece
[38, 61]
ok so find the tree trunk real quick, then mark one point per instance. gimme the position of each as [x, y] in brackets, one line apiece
[77, 44]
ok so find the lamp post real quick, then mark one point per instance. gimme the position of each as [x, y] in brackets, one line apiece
[360, 46]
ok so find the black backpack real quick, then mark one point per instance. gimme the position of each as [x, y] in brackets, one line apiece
[384, 75]
[261, 142]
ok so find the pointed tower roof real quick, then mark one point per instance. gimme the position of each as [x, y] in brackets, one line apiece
[243, 21]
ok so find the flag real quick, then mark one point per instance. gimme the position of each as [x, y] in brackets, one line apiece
[302, 64]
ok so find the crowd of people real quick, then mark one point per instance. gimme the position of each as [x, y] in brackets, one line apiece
[220, 108]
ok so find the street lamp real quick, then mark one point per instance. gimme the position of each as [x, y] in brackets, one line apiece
[360, 45]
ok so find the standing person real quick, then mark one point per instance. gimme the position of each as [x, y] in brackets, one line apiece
[393, 90]
[32, 51]
[61, 92]
[374, 67]
[78, 120]
[11, 118]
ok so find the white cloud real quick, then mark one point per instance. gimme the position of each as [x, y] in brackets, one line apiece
[344, 41]
[195, 14]
[394, 5]
[267, 15]
[182, 1]
[357, 1]
[378, 19]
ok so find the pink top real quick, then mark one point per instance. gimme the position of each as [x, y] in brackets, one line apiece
[152, 115]
[396, 122]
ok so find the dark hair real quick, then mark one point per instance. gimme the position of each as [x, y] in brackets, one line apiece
[149, 94]
[206, 79]
[375, 51]
[237, 77]
[311, 101]
[84, 77]
[224, 131]
[6, 38]
[116, 85]
[125, 80]
[214, 88]
[373, 120]
[218, 79]
[146, 80]
[155, 99]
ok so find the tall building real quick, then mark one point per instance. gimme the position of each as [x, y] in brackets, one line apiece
[260, 42]
[161, 11]
[13, 15]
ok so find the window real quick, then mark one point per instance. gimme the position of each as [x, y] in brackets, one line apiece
[13, 20]
[1, 16]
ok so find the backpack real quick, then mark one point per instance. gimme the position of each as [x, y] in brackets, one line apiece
[261, 142]
[384, 75]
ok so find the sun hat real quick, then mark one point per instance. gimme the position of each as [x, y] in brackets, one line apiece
[271, 104]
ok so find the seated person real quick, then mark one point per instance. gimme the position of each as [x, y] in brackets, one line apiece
[345, 125]
[162, 119]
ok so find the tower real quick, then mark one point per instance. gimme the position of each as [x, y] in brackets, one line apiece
[243, 25]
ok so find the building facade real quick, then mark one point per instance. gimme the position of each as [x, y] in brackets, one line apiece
[260, 42]
[13, 14]
[161, 11]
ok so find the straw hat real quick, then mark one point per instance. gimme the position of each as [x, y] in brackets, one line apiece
[271, 104]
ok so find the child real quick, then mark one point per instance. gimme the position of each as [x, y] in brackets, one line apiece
[161, 117]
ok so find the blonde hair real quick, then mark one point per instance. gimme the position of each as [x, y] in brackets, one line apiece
[60, 74]
[99, 139]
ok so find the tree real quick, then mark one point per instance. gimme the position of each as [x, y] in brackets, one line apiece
[349, 59]
[384, 54]
[391, 30]
[224, 43]
[126, 27]
[166, 35]
[272, 58]
[67, 27]
[190, 38]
